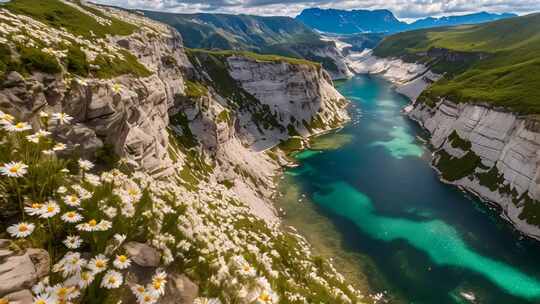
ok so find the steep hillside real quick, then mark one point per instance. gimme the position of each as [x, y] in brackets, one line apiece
[495, 63]
[134, 172]
[267, 35]
[382, 21]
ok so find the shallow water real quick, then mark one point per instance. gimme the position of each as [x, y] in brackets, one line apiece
[373, 204]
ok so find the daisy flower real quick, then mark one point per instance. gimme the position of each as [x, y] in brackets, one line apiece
[43, 299]
[121, 262]
[116, 88]
[36, 137]
[21, 230]
[147, 298]
[49, 210]
[73, 242]
[34, 209]
[6, 118]
[91, 225]
[266, 297]
[61, 190]
[59, 147]
[14, 169]
[85, 278]
[98, 264]
[63, 293]
[62, 118]
[72, 200]
[85, 165]
[138, 290]
[158, 282]
[72, 217]
[112, 279]
[18, 127]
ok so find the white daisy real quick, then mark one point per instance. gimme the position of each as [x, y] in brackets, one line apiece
[98, 264]
[72, 200]
[62, 118]
[59, 147]
[85, 165]
[61, 190]
[34, 209]
[72, 217]
[50, 209]
[6, 118]
[112, 279]
[85, 278]
[116, 88]
[121, 262]
[73, 241]
[21, 230]
[14, 169]
[158, 283]
[18, 127]
[43, 299]
[36, 137]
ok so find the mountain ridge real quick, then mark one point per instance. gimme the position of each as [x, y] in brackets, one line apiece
[354, 21]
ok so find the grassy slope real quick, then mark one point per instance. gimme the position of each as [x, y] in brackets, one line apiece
[57, 14]
[509, 77]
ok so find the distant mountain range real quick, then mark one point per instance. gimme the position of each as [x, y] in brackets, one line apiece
[382, 21]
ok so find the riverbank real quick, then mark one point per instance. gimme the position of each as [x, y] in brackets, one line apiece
[505, 143]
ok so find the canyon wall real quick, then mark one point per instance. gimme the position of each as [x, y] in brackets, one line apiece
[488, 151]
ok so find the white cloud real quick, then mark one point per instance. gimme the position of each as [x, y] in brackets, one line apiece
[406, 9]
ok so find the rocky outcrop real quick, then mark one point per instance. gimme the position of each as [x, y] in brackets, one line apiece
[19, 271]
[296, 94]
[504, 142]
[410, 78]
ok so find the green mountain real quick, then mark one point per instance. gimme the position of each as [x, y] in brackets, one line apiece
[496, 63]
[266, 35]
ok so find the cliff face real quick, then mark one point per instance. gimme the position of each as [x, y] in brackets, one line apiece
[199, 133]
[489, 152]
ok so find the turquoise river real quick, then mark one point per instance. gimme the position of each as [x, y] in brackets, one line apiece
[367, 198]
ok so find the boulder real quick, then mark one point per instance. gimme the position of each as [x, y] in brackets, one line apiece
[18, 272]
[20, 297]
[142, 254]
[179, 290]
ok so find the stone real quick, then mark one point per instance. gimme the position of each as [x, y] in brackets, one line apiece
[20, 297]
[17, 272]
[179, 290]
[142, 254]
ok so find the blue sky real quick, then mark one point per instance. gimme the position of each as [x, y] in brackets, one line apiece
[404, 9]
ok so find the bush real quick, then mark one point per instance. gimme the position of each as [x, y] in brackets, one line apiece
[76, 61]
[110, 68]
[33, 59]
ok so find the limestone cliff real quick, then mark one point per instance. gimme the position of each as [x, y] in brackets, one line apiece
[200, 134]
[488, 151]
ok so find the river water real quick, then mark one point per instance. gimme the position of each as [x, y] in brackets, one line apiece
[367, 198]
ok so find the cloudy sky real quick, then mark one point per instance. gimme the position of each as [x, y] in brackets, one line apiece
[404, 9]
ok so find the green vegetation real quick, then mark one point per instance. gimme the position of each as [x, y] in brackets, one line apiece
[491, 179]
[496, 62]
[224, 116]
[292, 145]
[195, 89]
[459, 143]
[453, 168]
[77, 62]
[32, 59]
[110, 68]
[531, 210]
[186, 139]
[259, 57]
[57, 14]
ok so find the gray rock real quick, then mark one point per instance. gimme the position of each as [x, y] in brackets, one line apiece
[142, 254]
[179, 290]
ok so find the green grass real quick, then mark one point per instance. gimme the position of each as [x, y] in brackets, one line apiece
[60, 15]
[260, 57]
[195, 89]
[292, 145]
[508, 76]
[459, 143]
[110, 68]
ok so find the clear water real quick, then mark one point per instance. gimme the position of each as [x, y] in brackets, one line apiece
[376, 207]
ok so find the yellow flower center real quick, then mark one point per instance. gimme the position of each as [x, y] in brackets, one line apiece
[265, 297]
[37, 302]
[62, 292]
[36, 205]
[85, 276]
[157, 285]
[92, 223]
[100, 264]
[112, 280]
[19, 125]
[147, 298]
[122, 258]
[23, 228]
[73, 199]
[14, 169]
[50, 208]
[140, 289]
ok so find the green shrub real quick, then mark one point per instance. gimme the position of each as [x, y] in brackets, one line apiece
[76, 61]
[33, 59]
[453, 168]
[195, 89]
